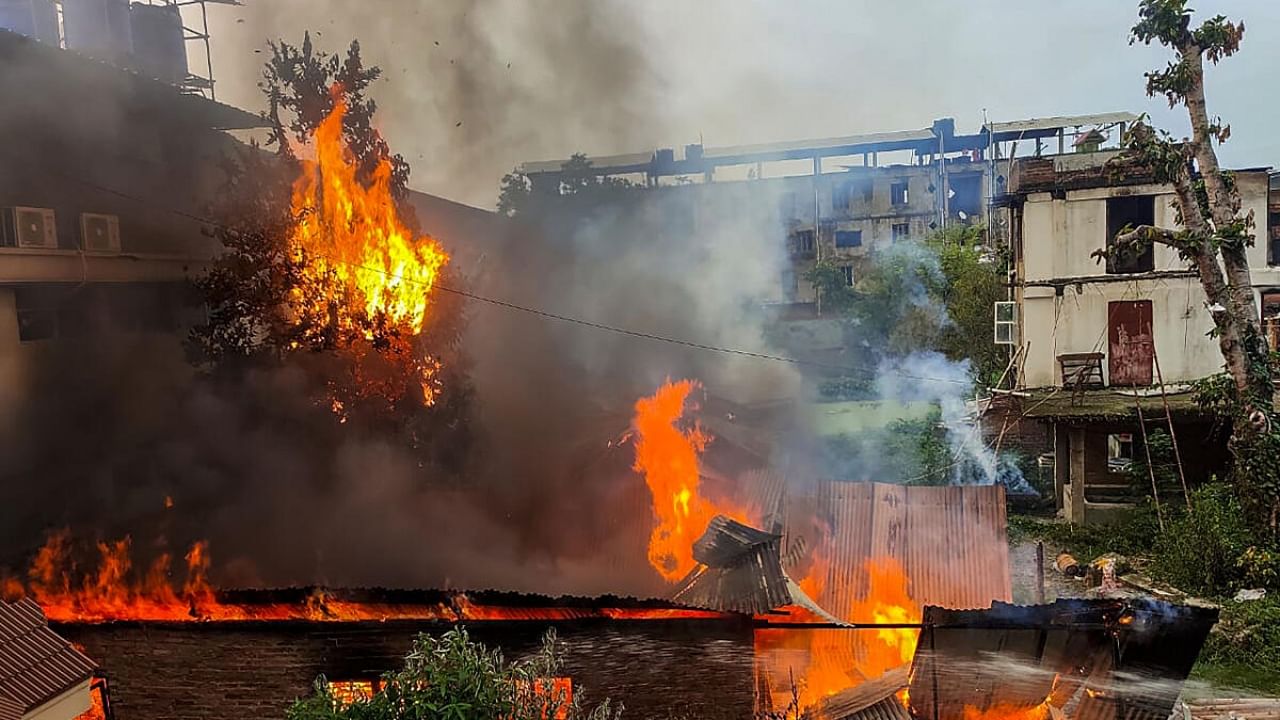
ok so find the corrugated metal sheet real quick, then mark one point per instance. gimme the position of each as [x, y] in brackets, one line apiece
[872, 700]
[1129, 656]
[950, 541]
[739, 570]
[36, 664]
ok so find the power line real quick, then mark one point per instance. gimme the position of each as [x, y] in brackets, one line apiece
[539, 312]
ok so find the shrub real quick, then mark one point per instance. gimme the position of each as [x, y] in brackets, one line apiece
[1201, 548]
[453, 678]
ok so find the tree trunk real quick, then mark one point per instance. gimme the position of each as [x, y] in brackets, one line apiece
[1239, 325]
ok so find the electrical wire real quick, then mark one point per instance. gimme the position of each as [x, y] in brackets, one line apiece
[545, 314]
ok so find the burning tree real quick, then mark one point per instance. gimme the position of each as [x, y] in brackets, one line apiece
[1214, 237]
[325, 267]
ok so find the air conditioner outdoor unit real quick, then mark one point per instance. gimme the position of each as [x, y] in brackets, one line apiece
[99, 233]
[34, 227]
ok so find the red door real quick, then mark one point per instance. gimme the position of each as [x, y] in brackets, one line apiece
[1130, 340]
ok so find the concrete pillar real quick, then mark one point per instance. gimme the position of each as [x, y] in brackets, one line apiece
[1075, 510]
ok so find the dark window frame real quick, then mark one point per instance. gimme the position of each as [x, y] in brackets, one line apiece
[854, 238]
[1130, 210]
[900, 193]
[900, 231]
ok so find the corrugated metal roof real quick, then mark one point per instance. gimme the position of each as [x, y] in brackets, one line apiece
[36, 664]
[1059, 122]
[951, 541]
[1131, 656]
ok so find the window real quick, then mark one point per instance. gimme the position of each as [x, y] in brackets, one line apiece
[841, 196]
[346, 692]
[37, 310]
[899, 194]
[901, 231]
[554, 695]
[848, 274]
[965, 201]
[1131, 212]
[1271, 318]
[1006, 323]
[1119, 452]
[848, 238]
[803, 243]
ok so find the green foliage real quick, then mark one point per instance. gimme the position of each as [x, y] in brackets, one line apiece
[1244, 648]
[905, 452]
[858, 387]
[828, 283]
[1199, 551]
[1134, 534]
[452, 677]
[577, 195]
[919, 297]
[1168, 22]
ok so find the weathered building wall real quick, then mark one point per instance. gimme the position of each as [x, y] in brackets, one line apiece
[228, 671]
[1066, 293]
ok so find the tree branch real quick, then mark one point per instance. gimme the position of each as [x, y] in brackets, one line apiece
[1149, 234]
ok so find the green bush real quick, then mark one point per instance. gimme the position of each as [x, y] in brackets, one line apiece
[453, 678]
[1201, 548]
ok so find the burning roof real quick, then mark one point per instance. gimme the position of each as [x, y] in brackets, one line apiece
[739, 570]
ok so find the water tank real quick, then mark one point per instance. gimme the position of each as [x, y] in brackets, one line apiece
[33, 18]
[98, 28]
[159, 47]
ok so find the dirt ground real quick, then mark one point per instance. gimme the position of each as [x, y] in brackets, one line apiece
[1022, 573]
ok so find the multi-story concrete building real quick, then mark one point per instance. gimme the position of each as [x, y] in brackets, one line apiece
[1107, 348]
[840, 197]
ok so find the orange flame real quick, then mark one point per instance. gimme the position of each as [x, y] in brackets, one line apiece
[668, 457]
[825, 662]
[362, 270]
[1005, 711]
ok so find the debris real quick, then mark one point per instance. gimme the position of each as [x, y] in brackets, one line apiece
[1250, 595]
[1068, 565]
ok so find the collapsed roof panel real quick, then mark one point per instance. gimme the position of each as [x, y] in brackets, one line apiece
[1096, 659]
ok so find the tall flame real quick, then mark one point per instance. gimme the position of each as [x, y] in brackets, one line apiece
[667, 454]
[353, 242]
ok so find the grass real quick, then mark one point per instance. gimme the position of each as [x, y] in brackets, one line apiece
[855, 416]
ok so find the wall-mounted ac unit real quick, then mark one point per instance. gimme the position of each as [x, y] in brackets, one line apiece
[100, 233]
[30, 227]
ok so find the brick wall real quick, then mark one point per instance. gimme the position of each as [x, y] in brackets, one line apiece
[228, 671]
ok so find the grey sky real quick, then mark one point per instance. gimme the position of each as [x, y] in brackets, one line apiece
[607, 76]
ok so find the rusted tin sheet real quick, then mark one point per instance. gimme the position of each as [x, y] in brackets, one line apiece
[950, 541]
[1130, 342]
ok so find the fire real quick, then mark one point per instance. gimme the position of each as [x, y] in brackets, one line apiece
[115, 588]
[363, 271]
[668, 456]
[1004, 711]
[826, 662]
